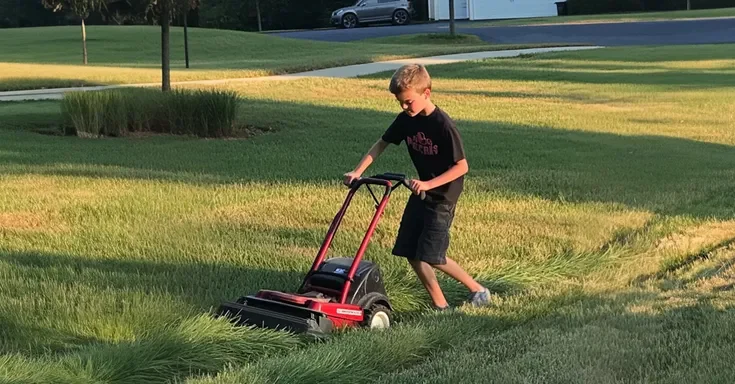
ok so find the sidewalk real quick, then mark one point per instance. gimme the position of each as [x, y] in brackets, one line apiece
[337, 72]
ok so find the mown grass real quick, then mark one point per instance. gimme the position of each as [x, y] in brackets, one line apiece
[614, 17]
[132, 54]
[598, 205]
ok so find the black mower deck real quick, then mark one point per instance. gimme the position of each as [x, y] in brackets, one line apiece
[265, 313]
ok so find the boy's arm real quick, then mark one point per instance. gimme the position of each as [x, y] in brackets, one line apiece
[457, 170]
[368, 159]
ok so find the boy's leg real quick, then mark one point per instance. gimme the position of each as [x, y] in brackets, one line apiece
[427, 276]
[433, 245]
[409, 233]
[453, 269]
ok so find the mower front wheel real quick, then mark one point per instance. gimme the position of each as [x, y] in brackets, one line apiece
[378, 316]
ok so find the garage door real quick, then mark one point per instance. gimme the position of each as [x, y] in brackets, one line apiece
[461, 9]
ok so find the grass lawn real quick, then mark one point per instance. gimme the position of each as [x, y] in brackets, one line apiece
[598, 206]
[132, 54]
[613, 17]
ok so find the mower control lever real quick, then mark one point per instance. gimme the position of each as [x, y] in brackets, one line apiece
[422, 194]
[401, 178]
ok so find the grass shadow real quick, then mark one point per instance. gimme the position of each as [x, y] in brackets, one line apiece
[666, 175]
[584, 74]
[24, 115]
[583, 99]
[21, 83]
[585, 337]
[600, 66]
[187, 281]
[195, 287]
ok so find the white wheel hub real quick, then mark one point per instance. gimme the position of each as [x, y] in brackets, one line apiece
[380, 320]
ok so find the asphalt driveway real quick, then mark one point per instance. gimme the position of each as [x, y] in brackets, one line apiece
[609, 34]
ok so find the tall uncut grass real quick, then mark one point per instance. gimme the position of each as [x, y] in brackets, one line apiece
[204, 113]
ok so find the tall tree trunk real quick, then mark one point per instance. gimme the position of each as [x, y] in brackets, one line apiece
[84, 42]
[689, 5]
[18, 5]
[257, 9]
[165, 51]
[451, 18]
[186, 37]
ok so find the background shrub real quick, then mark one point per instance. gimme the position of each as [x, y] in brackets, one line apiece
[201, 113]
[591, 7]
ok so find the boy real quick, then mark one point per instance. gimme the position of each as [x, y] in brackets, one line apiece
[436, 151]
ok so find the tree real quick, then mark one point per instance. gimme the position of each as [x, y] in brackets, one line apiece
[451, 18]
[186, 6]
[166, 10]
[257, 10]
[165, 21]
[81, 8]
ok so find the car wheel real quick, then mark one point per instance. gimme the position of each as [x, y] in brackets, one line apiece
[349, 21]
[400, 17]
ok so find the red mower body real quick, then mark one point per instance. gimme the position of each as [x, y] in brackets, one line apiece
[336, 293]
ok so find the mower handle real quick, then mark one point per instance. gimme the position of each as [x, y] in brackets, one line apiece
[400, 178]
[382, 180]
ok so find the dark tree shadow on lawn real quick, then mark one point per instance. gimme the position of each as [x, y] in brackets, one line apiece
[188, 287]
[22, 83]
[31, 116]
[663, 174]
[585, 70]
[582, 73]
[675, 79]
[586, 337]
[197, 288]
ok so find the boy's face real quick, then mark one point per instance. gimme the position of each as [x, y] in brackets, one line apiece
[413, 102]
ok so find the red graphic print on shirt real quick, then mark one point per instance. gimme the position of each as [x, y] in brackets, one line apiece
[422, 144]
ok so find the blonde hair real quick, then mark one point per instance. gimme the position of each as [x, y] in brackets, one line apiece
[410, 76]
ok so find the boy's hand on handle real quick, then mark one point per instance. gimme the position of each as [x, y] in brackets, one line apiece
[418, 186]
[350, 177]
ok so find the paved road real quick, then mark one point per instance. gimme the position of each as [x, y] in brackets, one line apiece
[607, 34]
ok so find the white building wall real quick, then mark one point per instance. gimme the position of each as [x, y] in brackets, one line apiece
[461, 9]
[492, 9]
[509, 9]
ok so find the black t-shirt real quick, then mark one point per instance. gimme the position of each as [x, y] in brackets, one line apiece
[434, 145]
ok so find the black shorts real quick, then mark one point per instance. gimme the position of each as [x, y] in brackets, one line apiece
[424, 231]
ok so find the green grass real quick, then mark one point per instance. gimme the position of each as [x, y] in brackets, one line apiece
[132, 54]
[598, 206]
[613, 17]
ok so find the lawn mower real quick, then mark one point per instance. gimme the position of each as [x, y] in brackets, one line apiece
[336, 293]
